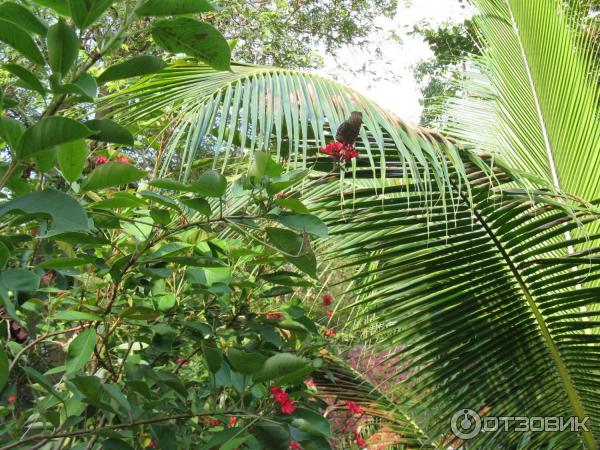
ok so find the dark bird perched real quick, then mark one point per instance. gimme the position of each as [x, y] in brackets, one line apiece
[348, 132]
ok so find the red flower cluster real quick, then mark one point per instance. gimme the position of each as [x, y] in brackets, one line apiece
[356, 409]
[214, 422]
[359, 440]
[11, 399]
[343, 152]
[327, 300]
[330, 332]
[310, 383]
[101, 160]
[276, 315]
[285, 404]
[232, 421]
[295, 446]
[122, 159]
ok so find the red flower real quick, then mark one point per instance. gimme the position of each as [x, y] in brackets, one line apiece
[340, 151]
[214, 422]
[310, 383]
[295, 445]
[329, 312]
[276, 315]
[232, 421]
[35, 232]
[279, 395]
[59, 293]
[48, 277]
[327, 300]
[101, 160]
[359, 440]
[181, 361]
[11, 399]
[153, 444]
[287, 407]
[122, 159]
[356, 409]
[330, 332]
[281, 195]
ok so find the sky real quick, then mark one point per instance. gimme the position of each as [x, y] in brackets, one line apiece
[389, 79]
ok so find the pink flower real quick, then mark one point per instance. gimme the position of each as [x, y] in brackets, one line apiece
[279, 395]
[59, 293]
[101, 160]
[275, 315]
[11, 399]
[122, 159]
[330, 332]
[356, 409]
[287, 407]
[329, 312]
[310, 383]
[281, 195]
[214, 422]
[47, 278]
[359, 440]
[295, 446]
[327, 300]
[340, 151]
[181, 361]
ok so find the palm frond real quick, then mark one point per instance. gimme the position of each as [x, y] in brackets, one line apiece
[533, 96]
[482, 296]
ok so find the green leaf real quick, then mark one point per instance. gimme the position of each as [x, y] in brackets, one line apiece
[305, 223]
[3, 368]
[170, 185]
[19, 280]
[64, 263]
[283, 366]
[45, 161]
[140, 313]
[72, 157]
[134, 67]
[115, 444]
[42, 381]
[198, 39]
[70, 316]
[295, 248]
[311, 422]
[28, 79]
[80, 350]
[87, 86]
[90, 387]
[198, 204]
[22, 17]
[11, 131]
[264, 166]
[21, 41]
[213, 357]
[120, 200]
[109, 131]
[245, 362]
[112, 174]
[4, 255]
[50, 132]
[292, 204]
[173, 7]
[64, 211]
[60, 6]
[85, 12]
[63, 47]
[210, 184]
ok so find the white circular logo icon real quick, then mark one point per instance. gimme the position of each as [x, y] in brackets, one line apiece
[466, 424]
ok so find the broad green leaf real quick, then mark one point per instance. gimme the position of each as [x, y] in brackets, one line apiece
[109, 131]
[295, 248]
[166, 302]
[90, 387]
[115, 444]
[264, 166]
[11, 131]
[3, 368]
[140, 313]
[120, 200]
[42, 381]
[22, 17]
[87, 85]
[209, 276]
[64, 263]
[80, 350]
[134, 67]
[65, 212]
[173, 7]
[114, 391]
[50, 132]
[69, 316]
[60, 6]
[85, 12]
[46, 161]
[311, 422]
[198, 39]
[4, 255]
[170, 185]
[292, 204]
[28, 79]
[213, 357]
[72, 158]
[63, 47]
[198, 204]
[245, 362]
[19, 280]
[112, 174]
[283, 366]
[210, 184]
[21, 41]
[305, 223]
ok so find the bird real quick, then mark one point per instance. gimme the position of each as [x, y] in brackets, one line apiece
[348, 132]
